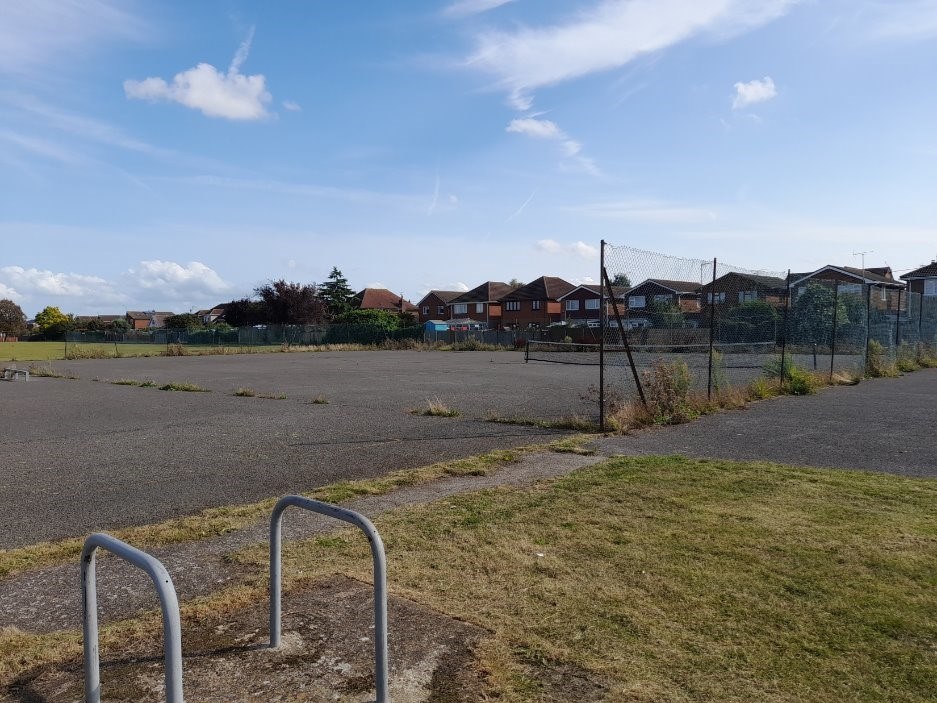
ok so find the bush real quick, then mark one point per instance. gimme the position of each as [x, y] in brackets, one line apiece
[877, 364]
[801, 382]
[667, 389]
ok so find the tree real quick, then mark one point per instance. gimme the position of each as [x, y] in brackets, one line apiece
[245, 312]
[665, 314]
[12, 319]
[751, 321]
[336, 293]
[119, 325]
[291, 303]
[812, 315]
[515, 283]
[53, 323]
[621, 280]
[184, 321]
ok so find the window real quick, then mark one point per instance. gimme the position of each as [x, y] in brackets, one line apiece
[930, 286]
[426, 309]
[460, 309]
[665, 298]
[747, 296]
[850, 289]
[572, 305]
[479, 308]
[512, 305]
[441, 310]
[592, 304]
[534, 304]
[884, 294]
[720, 297]
[636, 301]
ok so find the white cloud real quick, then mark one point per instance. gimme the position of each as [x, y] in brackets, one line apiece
[538, 129]
[463, 8]
[579, 248]
[174, 280]
[230, 95]
[35, 34]
[32, 281]
[9, 293]
[650, 211]
[610, 34]
[292, 106]
[549, 130]
[756, 91]
[903, 21]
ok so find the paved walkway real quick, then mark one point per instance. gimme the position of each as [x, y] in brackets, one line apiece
[879, 425]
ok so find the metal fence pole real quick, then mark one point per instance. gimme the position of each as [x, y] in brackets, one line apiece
[380, 577]
[868, 325]
[624, 338]
[169, 604]
[602, 337]
[835, 320]
[898, 324]
[712, 331]
[787, 307]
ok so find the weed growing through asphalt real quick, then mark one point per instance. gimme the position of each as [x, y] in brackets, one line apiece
[184, 387]
[436, 408]
[319, 400]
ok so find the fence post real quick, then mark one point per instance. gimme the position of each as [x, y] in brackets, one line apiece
[835, 319]
[602, 337]
[712, 331]
[898, 324]
[624, 338]
[787, 307]
[868, 325]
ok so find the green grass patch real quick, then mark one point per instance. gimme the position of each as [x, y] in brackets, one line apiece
[671, 579]
[319, 400]
[184, 387]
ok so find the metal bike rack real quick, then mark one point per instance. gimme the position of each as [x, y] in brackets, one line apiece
[172, 629]
[380, 578]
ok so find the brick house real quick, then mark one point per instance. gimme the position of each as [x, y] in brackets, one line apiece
[146, 320]
[883, 296]
[641, 300]
[583, 303]
[435, 305]
[923, 281]
[383, 299]
[481, 304]
[536, 304]
[734, 288]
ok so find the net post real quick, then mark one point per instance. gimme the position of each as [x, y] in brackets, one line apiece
[787, 307]
[712, 331]
[898, 324]
[527, 350]
[627, 344]
[868, 326]
[835, 317]
[602, 317]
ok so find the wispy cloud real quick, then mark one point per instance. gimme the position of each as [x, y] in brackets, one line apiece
[610, 34]
[463, 8]
[755, 91]
[35, 34]
[432, 205]
[548, 130]
[649, 211]
[579, 248]
[230, 95]
[523, 207]
[40, 147]
[291, 106]
[907, 20]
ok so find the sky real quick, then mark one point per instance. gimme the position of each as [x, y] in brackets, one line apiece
[174, 155]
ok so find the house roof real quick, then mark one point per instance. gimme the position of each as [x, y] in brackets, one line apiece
[929, 271]
[383, 299]
[675, 286]
[620, 291]
[444, 295]
[866, 275]
[543, 288]
[138, 315]
[487, 292]
[757, 279]
[101, 318]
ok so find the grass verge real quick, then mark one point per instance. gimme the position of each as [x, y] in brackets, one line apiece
[671, 579]
[217, 521]
[184, 387]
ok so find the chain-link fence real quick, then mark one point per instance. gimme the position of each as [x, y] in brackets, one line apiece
[718, 327]
[239, 338]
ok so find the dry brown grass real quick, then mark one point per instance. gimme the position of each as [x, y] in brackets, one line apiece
[436, 408]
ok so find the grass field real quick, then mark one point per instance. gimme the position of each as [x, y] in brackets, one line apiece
[659, 579]
[671, 579]
[53, 351]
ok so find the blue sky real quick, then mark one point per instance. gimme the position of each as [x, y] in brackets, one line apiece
[173, 155]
